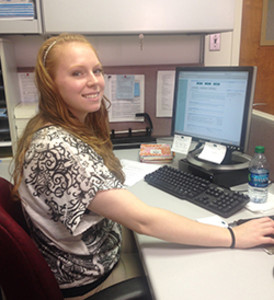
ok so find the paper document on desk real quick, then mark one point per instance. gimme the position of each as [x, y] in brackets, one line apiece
[136, 171]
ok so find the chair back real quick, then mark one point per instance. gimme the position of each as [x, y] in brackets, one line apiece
[24, 273]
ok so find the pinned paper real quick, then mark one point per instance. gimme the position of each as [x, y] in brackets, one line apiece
[181, 144]
[28, 90]
[213, 152]
[125, 87]
[165, 90]
[127, 97]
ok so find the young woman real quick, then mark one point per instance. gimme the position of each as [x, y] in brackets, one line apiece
[71, 184]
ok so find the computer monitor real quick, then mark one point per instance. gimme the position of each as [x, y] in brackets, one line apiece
[214, 104]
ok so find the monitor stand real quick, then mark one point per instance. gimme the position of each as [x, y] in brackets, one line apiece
[233, 170]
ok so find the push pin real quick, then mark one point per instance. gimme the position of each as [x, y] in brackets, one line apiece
[141, 41]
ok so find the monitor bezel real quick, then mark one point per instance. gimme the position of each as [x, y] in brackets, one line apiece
[245, 133]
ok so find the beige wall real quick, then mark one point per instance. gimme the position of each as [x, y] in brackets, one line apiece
[230, 44]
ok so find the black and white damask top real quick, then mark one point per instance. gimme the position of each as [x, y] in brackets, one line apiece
[61, 176]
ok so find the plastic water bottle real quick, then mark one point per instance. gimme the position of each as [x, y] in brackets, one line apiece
[258, 177]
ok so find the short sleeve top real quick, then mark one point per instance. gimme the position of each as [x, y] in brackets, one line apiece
[61, 176]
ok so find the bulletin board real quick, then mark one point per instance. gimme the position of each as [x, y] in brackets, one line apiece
[161, 125]
[126, 93]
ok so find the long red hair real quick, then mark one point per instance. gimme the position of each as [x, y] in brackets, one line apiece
[53, 110]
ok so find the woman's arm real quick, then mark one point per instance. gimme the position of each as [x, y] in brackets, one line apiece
[125, 208]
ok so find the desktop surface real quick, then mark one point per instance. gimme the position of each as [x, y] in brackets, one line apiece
[192, 273]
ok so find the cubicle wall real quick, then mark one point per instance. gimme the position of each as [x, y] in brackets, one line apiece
[262, 125]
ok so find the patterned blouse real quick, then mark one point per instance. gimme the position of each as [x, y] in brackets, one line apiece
[61, 176]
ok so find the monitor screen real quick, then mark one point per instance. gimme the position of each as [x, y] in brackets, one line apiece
[214, 104]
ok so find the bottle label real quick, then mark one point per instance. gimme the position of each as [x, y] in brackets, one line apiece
[258, 179]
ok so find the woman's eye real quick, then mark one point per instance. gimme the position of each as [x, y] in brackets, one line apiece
[98, 71]
[77, 73]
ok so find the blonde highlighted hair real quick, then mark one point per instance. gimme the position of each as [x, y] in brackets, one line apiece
[52, 110]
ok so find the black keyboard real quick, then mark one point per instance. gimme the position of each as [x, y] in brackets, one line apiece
[197, 190]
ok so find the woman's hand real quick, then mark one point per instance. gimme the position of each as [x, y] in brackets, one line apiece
[255, 232]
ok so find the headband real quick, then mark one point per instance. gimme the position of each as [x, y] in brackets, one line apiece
[47, 51]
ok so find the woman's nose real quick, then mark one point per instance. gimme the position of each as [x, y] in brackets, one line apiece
[92, 79]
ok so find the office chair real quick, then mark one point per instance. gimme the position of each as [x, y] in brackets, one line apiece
[24, 273]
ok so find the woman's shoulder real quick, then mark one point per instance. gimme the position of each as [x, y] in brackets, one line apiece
[52, 132]
[57, 137]
[53, 136]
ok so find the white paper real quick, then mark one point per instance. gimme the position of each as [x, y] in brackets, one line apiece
[28, 90]
[213, 152]
[165, 91]
[181, 144]
[126, 96]
[125, 87]
[136, 171]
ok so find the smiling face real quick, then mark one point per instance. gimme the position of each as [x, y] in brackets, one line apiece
[79, 78]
